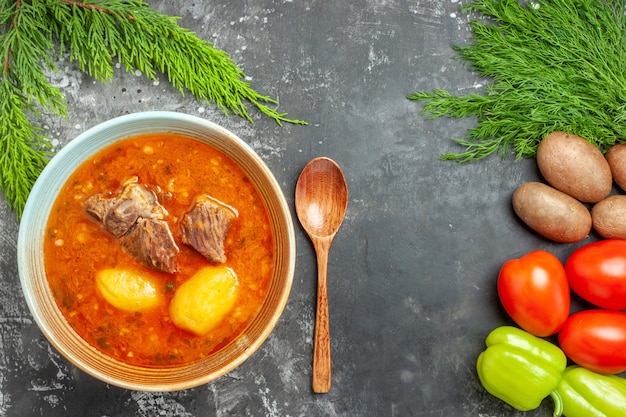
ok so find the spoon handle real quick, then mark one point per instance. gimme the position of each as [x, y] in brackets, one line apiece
[321, 348]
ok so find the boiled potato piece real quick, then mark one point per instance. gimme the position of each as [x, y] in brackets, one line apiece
[127, 290]
[205, 299]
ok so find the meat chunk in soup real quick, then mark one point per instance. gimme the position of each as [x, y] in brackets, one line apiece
[138, 220]
[205, 225]
[151, 242]
[118, 214]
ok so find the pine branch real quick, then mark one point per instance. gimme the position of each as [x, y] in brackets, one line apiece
[23, 149]
[96, 35]
[143, 39]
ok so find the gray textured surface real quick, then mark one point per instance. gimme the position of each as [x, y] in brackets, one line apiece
[412, 271]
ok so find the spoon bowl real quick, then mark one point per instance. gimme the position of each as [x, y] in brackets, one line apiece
[321, 201]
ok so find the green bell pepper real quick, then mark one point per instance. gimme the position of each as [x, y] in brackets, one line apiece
[519, 368]
[584, 393]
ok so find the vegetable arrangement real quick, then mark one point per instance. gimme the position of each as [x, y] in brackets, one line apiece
[556, 92]
[522, 368]
[577, 175]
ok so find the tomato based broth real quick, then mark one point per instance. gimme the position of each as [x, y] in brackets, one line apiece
[76, 248]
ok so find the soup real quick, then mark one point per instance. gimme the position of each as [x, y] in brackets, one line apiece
[85, 263]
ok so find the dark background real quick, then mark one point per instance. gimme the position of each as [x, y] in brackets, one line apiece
[413, 269]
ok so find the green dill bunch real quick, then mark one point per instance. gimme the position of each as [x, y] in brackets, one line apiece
[96, 35]
[551, 65]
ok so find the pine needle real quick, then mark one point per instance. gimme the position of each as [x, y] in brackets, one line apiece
[552, 65]
[97, 35]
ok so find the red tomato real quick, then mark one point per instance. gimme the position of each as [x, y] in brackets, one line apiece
[597, 272]
[534, 292]
[596, 340]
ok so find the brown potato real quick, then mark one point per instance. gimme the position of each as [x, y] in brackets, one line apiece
[571, 164]
[609, 217]
[551, 213]
[616, 157]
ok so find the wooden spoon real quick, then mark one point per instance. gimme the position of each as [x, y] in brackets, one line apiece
[321, 202]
